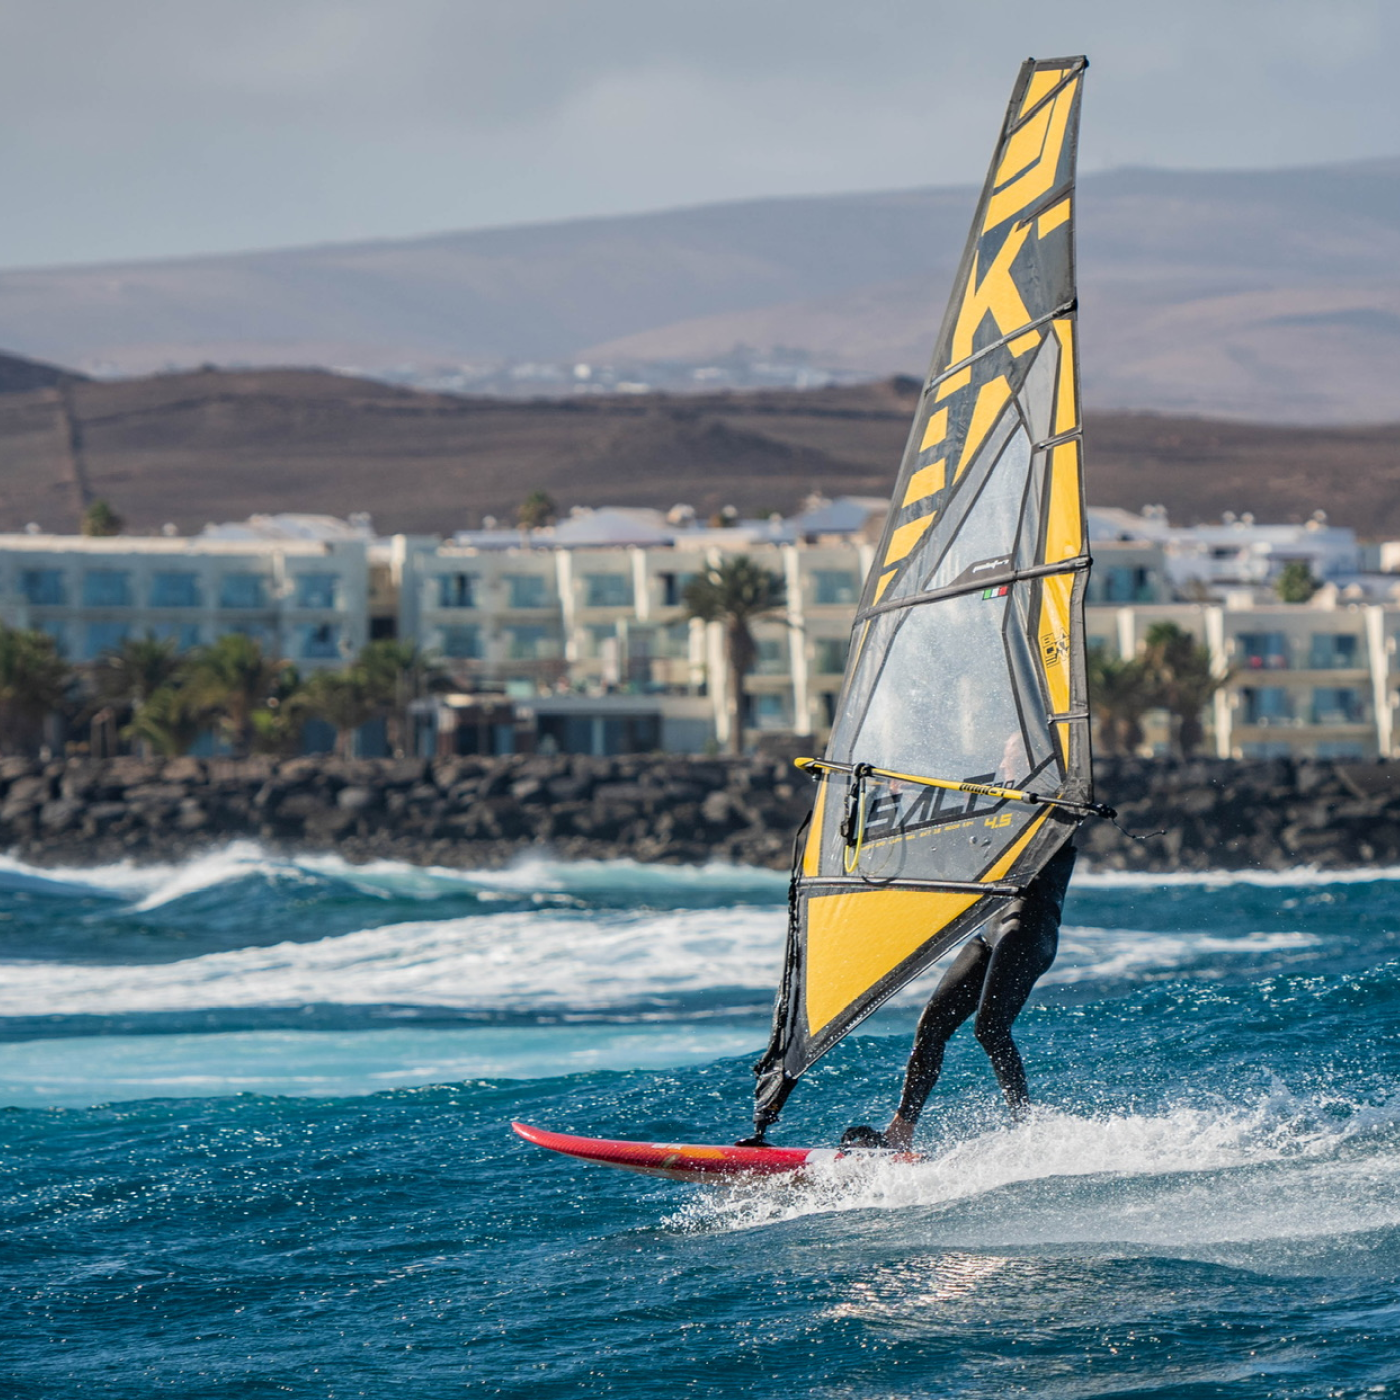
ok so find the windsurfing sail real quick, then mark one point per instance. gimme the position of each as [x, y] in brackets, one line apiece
[959, 760]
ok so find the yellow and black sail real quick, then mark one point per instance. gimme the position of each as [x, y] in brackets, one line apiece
[959, 761]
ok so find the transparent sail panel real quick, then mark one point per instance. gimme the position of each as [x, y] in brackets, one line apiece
[985, 537]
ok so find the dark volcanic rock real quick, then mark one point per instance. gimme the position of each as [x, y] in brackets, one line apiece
[469, 811]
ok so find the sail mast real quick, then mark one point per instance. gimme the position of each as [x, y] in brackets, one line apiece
[959, 762]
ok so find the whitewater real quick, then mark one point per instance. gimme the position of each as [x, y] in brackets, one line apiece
[254, 1140]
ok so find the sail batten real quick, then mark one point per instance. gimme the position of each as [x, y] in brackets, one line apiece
[959, 760]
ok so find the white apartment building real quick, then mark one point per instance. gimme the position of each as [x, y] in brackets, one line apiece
[1304, 680]
[302, 595]
[599, 608]
[583, 629]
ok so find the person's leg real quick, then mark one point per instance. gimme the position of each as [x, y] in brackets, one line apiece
[1023, 950]
[953, 1001]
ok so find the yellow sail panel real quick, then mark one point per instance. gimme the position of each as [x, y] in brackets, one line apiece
[1064, 520]
[1042, 81]
[1055, 595]
[1038, 147]
[927, 481]
[992, 291]
[811, 855]
[1012, 854]
[936, 430]
[1067, 389]
[853, 940]
[1052, 218]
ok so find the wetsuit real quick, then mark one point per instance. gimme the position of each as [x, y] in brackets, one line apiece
[992, 976]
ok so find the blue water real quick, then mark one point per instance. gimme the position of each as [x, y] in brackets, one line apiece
[254, 1142]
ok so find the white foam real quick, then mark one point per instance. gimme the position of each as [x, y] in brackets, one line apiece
[545, 960]
[1104, 954]
[1277, 1169]
[509, 961]
[1301, 876]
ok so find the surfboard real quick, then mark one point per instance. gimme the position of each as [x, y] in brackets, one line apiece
[689, 1161]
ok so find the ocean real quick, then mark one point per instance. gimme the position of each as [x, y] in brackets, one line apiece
[254, 1142]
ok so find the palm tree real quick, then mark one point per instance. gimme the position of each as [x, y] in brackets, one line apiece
[1181, 671]
[733, 593]
[277, 724]
[396, 674]
[167, 721]
[34, 681]
[100, 519]
[341, 698]
[233, 679]
[1295, 583]
[1120, 693]
[536, 511]
[126, 677]
[134, 670]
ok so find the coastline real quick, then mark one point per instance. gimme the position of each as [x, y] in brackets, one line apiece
[483, 813]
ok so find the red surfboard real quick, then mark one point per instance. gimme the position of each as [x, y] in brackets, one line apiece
[687, 1161]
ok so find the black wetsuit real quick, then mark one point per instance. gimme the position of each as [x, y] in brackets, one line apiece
[992, 976]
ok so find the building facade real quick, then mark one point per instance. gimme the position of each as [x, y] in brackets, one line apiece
[304, 599]
[578, 638]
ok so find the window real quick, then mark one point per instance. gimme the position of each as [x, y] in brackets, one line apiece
[462, 643]
[1337, 705]
[607, 590]
[185, 635]
[526, 591]
[770, 712]
[530, 644]
[1271, 749]
[316, 590]
[259, 632]
[456, 591]
[673, 588]
[1262, 651]
[830, 658]
[106, 588]
[175, 590]
[102, 637]
[771, 658]
[1341, 748]
[43, 586]
[834, 586]
[58, 631]
[320, 641]
[242, 591]
[1266, 704]
[1334, 651]
[1120, 583]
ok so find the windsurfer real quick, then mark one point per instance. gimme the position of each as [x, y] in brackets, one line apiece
[992, 976]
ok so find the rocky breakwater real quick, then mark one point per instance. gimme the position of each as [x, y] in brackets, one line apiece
[1218, 814]
[473, 812]
[482, 812]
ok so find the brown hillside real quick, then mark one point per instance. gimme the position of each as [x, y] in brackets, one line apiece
[191, 448]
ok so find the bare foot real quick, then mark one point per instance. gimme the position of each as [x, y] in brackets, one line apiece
[900, 1134]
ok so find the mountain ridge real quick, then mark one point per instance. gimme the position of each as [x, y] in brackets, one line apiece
[1265, 294]
[222, 445]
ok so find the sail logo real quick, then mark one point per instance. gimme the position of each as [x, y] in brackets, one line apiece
[1054, 647]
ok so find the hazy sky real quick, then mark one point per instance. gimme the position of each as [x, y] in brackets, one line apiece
[145, 128]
